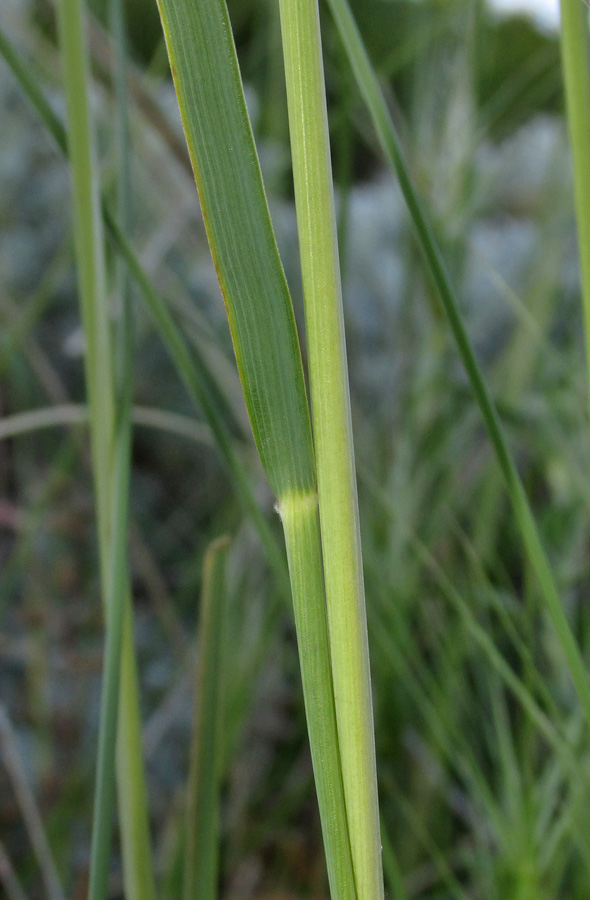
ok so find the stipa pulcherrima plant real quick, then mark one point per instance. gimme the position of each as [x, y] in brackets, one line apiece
[295, 483]
[331, 415]
[333, 648]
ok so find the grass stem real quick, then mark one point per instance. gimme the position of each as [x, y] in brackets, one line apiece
[576, 76]
[332, 430]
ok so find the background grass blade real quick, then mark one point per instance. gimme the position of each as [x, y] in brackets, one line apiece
[189, 365]
[14, 764]
[202, 814]
[332, 430]
[391, 147]
[116, 618]
[110, 429]
[219, 137]
[576, 77]
[92, 286]
[134, 820]
[392, 871]
[138, 872]
[77, 414]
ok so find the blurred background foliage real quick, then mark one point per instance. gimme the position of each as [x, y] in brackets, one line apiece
[476, 802]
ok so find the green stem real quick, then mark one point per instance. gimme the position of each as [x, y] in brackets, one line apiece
[299, 515]
[576, 75]
[332, 431]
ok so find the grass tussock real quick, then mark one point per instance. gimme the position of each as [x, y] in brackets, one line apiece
[217, 728]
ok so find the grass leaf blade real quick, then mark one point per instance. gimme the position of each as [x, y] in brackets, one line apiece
[227, 172]
[240, 234]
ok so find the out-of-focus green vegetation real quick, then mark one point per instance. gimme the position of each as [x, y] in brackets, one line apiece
[482, 751]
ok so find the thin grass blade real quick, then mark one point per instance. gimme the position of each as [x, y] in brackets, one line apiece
[92, 288]
[77, 414]
[392, 870]
[202, 814]
[111, 440]
[134, 820]
[138, 873]
[14, 765]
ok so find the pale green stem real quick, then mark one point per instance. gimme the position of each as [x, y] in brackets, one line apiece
[332, 432]
[299, 515]
[576, 75]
